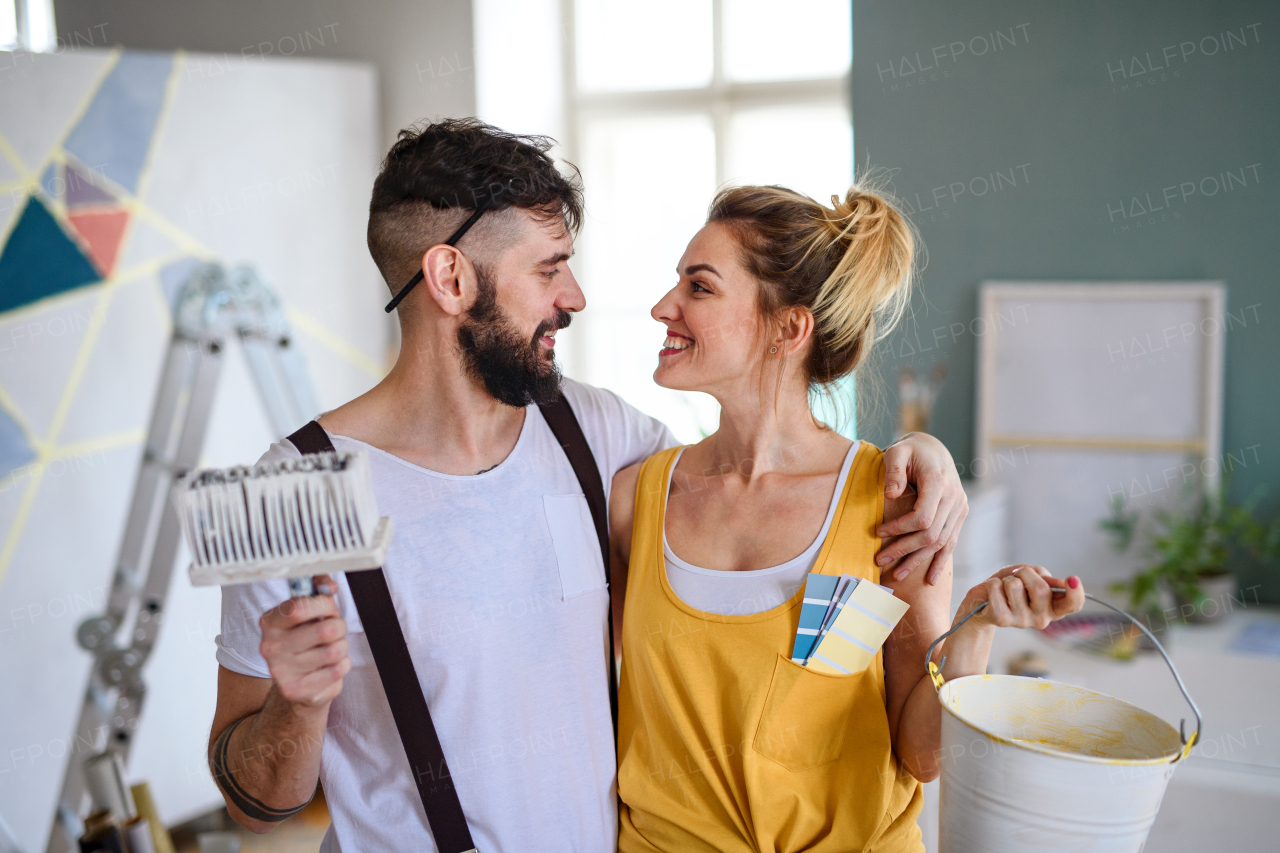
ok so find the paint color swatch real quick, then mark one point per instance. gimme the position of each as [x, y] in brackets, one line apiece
[818, 592]
[858, 632]
[844, 589]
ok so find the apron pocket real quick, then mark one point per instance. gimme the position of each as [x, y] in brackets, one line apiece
[805, 716]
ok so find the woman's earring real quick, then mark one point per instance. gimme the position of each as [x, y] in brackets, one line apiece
[773, 349]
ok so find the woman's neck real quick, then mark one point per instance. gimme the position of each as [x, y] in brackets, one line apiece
[765, 433]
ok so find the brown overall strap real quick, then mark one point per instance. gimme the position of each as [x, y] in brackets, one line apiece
[445, 819]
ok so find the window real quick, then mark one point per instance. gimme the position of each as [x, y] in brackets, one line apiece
[659, 104]
[27, 25]
[8, 26]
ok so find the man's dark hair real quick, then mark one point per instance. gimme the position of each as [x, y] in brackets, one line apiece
[435, 175]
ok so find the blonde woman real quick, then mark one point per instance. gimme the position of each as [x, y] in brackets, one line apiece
[724, 743]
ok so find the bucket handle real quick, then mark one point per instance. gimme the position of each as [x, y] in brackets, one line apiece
[935, 669]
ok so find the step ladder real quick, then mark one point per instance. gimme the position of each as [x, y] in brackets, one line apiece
[214, 306]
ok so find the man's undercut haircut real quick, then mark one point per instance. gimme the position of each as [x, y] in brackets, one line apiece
[436, 175]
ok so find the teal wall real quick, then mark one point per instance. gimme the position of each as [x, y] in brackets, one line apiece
[1079, 108]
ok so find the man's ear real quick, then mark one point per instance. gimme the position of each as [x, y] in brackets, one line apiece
[449, 278]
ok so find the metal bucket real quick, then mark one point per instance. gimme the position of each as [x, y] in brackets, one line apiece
[1035, 765]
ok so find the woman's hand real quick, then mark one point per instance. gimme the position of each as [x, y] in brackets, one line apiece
[1018, 597]
[1023, 597]
[941, 505]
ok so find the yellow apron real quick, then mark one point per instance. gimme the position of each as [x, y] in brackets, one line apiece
[724, 744]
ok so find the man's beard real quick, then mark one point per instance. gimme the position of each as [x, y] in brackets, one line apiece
[510, 367]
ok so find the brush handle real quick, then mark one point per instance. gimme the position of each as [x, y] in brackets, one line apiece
[301, 587]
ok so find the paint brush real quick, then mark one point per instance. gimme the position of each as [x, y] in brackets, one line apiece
[292, 519]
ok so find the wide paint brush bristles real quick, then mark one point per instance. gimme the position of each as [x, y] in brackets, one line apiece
[318, 506]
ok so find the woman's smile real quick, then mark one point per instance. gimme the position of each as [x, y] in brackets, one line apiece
[674, 344]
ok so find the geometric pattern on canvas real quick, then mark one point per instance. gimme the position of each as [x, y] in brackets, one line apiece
[115, 133]
[39, 259]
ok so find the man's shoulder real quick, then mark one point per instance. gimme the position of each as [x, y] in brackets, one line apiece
[614, 427]
[589, 400]
[602, 409]
[280, 451]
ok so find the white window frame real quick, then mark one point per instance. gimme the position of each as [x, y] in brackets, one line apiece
[719, 99]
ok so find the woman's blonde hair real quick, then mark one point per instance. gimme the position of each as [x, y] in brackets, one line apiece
[851, 265]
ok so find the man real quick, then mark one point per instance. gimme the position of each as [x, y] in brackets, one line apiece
[495, 569]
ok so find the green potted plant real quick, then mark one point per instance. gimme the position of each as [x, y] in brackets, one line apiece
[1188, 550]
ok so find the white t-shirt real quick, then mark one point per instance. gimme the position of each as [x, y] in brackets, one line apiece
[757, 590]
[500, 590]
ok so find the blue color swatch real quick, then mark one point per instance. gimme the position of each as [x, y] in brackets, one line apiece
[818, 590]
[833, 612]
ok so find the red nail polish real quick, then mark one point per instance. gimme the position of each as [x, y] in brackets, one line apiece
[1073, 581]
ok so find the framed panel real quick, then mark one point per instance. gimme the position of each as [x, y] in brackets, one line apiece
[1089, 391]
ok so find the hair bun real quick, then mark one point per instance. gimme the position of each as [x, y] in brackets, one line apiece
[859, 210]
[850, 264]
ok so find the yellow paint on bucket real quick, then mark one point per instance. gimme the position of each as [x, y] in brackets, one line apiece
[1062, 719]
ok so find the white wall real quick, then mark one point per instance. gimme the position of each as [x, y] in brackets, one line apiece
[422, 49]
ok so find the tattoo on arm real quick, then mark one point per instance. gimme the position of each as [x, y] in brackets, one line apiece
[251, 806]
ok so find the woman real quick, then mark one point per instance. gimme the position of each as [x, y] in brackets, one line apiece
[725, 744]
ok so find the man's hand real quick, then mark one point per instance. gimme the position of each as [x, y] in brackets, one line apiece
[933, 525]
[259, 722]
[304, 641]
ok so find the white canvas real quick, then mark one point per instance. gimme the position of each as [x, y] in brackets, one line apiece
[1092, 392]
[1126, 368]
[268, 163]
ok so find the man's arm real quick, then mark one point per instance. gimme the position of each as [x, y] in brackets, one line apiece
[932, 527]
[264, 746]
[622, 503]
[912, 709]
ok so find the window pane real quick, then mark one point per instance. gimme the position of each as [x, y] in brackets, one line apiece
[805, 147]
[511, 91]
[623, 45]
[648, 181]
[41, 35]
[800, 39]
[8, 25]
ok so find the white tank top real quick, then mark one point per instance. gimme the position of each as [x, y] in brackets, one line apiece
[755, 591]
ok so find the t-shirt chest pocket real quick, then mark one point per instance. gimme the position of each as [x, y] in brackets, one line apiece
[573, 535]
